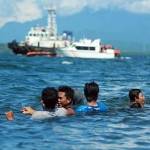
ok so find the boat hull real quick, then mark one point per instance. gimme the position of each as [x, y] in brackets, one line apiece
[85, 54]
[31, 50]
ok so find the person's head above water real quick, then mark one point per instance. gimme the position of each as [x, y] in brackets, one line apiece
[65, 95]
[49, 98]
[91, 91]
[65, 99]
[137, 98]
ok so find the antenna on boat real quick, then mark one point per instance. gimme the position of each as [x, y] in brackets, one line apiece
[52, 25]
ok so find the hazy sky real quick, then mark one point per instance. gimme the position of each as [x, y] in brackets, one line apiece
[107, 19]
[28, 10]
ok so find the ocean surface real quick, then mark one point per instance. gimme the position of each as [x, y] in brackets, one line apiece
[23, 78]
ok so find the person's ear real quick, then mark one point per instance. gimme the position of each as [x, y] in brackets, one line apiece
[69, 100]
[42, 102]
[136, 99]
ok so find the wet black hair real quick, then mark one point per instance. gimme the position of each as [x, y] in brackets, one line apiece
[91, 91]
[49, 97]
[134, 93]
[69, 92]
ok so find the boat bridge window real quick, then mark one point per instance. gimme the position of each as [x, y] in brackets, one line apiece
[85, 48]
[92, 48]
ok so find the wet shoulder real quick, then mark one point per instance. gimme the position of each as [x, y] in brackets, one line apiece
[102, 106]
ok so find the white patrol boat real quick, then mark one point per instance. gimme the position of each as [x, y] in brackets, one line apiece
[86, 48]
[42, 40]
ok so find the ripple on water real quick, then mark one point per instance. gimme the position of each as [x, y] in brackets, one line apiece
[23, 78]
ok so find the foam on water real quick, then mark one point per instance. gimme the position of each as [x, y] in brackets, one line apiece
[125, 58]
[67, 62]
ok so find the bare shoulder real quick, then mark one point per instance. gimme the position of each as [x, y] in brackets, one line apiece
[70, 111]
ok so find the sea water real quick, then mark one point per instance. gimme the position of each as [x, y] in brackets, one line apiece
[23, 78]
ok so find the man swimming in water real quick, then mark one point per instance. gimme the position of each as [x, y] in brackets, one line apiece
[49, 101]
[91, 91]
[137, 98]
[65, 98]
[55, 103]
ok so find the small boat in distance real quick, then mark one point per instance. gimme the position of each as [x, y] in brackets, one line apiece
[42, 40]
[86, 48]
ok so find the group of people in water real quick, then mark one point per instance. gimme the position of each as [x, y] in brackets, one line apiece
[61, 102]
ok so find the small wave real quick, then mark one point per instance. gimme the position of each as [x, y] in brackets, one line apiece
[67, 62]
[125, 57]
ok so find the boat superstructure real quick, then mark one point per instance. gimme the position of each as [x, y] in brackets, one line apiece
[42, 40]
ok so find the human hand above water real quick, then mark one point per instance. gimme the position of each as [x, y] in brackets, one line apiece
[27, 110]
[10, 115]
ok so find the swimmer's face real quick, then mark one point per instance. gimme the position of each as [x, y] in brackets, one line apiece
[62, 99]
[141, 99]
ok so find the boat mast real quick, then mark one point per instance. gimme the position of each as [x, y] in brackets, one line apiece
[52, 26]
